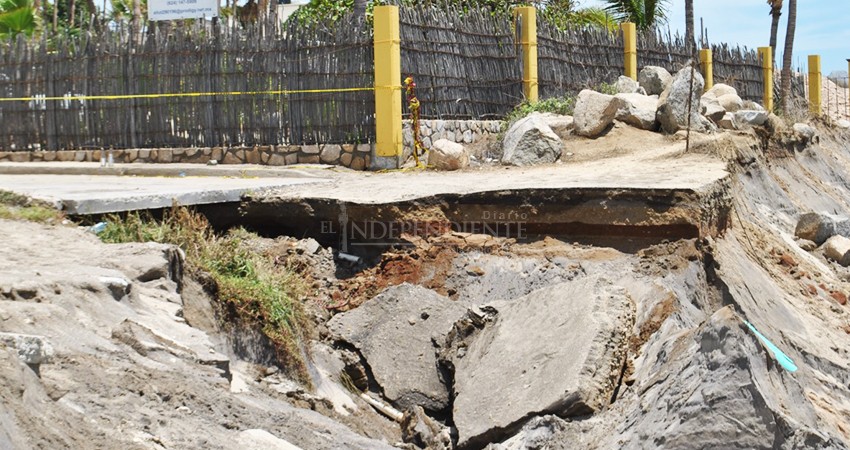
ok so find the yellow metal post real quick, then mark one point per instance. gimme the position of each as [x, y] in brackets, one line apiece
[630, 49]
[766, 55]
[528, 40]
[387, 82]
[707, 65]
[814, 85]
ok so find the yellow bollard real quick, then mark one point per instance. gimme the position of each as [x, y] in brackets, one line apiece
[814, 85]
[766, 55]
[528, 40]
[707, 65]
[630, 49]
[387, 82]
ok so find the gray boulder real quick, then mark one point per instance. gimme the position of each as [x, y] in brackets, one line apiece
[751, 117]
[654, 79]
[817, 227]
[712, 109]
[448, 155]
[558, 350]
[394, 333]
[637, 110]
[530, 141]
[594, 113]
[837, 248]
[674, 101]
[626, 85]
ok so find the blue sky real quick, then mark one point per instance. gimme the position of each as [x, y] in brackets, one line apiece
[823, 26]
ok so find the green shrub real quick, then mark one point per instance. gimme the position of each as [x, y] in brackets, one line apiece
[15, 206]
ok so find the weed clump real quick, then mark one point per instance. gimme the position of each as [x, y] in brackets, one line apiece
[20, 207]
[251, 288]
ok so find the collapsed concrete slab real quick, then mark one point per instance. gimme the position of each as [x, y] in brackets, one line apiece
[558, 350]
[394, 333]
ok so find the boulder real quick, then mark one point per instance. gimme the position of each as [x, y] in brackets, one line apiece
[448, 155]
[559, 350]
[730, 102]
[817, 227]
[673, 105]
[654, 79]
[807, 132]
[561, 125]
[751, 117]
[626, 85]
[594, 113]
[637, 110]
[837, 248]
[530, 141]
[727, 122]
[720, 89]
[32, 350]
[394, 333]
[712, 109]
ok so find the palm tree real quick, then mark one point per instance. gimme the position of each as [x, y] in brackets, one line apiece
[643, 13]
[16, 16]
[788, 53]
[775, 12]
[689, 23]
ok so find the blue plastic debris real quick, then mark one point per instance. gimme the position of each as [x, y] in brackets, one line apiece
[780, 357]
[97, 228]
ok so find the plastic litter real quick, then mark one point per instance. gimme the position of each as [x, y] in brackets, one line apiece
[779, 355]
[97, 228]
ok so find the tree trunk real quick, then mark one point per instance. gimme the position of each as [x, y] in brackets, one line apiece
[55, 14]
[92, 12]
[788, 53]
[689, 23]
[360, 7]
[73, 7]
[136, 24]
[775, 12]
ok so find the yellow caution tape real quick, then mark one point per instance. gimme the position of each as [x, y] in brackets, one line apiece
[183, 94]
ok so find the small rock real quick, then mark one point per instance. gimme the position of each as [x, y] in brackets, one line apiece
[751, 117]
[843, 123]
[448, 155]
[839, 297]
[837, 248]
[424, 432]
[626, 85]
[594, 113]
[727, 122]
[712, 109]
[654, 79]
[807, 132]
[806, 245]
[309, 246]
[33, 350]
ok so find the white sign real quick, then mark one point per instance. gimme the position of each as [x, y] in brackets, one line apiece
[181, 9]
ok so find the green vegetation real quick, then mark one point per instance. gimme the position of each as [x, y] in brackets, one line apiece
[251, 287]
[17, 16]
[645, 14]
[556, 105]
[20, 207]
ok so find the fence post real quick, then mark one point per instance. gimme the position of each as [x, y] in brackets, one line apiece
[766, 55]
[707, 64]
[528, 40]
[814, 85]
[387, 87]
[630, 49]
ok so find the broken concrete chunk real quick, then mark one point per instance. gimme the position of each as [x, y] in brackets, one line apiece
[594, 113]
[32, 350]
[530, 141]
[654, 79]
[448, 155]
[400, 352]
[837, 248]
[558, 350]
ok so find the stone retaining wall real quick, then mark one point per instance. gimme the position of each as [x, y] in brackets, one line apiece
[460, 131]
[357, 157]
